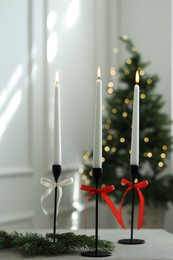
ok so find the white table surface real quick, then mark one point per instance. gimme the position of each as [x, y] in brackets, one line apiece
[158, 245]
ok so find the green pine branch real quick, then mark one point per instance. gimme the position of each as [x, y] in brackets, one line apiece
[32, 244]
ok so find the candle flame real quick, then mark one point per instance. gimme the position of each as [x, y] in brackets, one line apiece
[56, 78]
[137, 79]
[98, 73]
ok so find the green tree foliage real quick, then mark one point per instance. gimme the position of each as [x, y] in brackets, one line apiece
[155, 134]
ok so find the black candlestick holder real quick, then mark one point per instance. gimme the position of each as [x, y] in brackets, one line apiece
[131, 240]
[56, 170]
[97, 173]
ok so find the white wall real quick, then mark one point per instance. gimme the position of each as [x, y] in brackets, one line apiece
[75, 50]
[15, 162]
[148, 24]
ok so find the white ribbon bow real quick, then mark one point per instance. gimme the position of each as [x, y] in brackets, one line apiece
[51, 185]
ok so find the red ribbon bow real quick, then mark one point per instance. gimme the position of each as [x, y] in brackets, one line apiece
[136, 186]
[103, 192]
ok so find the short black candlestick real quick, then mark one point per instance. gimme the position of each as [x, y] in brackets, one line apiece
[97, 173]
[56, 170]
[132, 241]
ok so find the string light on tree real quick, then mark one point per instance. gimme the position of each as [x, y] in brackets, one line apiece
[126, 71]
[81, 170]
[163, 155]
[122, 140]
[149, 154]
[85, 157]
[149, 81]
[124, 114]
[84, 177]
[107, 126]
[110, 84]
[107, 149]
[129, 61]
[114, 110]
[113, 149]
[146, 139]
[134, 49]
[87, 182]
[126, 101]
[160, 164]
[103, 159]
[115, 50]
[112, 71]
[142, 96]
[103, 142]
[108, 121]
[90, 173]
[125, 37]
[142, 72]
[110, 90]
[109, 137]
[164, 147]
[145, 154]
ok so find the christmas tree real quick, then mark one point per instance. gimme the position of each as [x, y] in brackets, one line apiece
[155, 134]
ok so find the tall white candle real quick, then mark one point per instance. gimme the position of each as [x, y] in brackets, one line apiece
[57, 123]
[134, 158]
[97, 142]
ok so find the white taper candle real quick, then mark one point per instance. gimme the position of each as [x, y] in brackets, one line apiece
[97, 142]
[134, 158]
[57, 123]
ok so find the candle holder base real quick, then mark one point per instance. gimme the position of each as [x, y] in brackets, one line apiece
[131, 241]
[96, 254]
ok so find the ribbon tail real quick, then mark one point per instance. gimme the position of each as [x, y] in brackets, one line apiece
[113, 209]
[141, 209]
[59, 199]
[121, 203]
[44, 196]
[42, 199]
